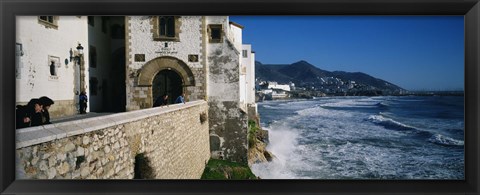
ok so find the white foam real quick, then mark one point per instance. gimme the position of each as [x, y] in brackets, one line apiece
[379, 119]
[347, 103]
[283, 142]
[444, 140]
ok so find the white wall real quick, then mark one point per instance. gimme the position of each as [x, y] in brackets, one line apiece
[141, 41]
[250, 73]
[235, 35]
[38, 42]
[220, 86]
[251, 80]
[277, 86]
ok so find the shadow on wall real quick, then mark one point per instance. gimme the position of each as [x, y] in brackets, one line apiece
[143, 169]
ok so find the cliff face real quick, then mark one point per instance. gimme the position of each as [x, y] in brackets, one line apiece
[257, 144]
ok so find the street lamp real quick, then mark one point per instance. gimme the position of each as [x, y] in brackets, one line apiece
[78, 54]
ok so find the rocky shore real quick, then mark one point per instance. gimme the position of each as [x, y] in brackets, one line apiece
[257, 143]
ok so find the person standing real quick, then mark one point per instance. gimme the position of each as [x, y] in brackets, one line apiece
[83, 102]
[46, 103]
[180, 99]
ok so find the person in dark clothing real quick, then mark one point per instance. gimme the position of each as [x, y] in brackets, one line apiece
[83, 102]
[29, 115]
[161, 101]
[165, 100]
[46, 103]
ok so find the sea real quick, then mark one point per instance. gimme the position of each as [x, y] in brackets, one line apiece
[383, 137]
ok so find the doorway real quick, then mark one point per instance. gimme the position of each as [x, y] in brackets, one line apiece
[167, 82]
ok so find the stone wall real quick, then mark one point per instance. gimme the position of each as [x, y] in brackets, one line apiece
[228, 122]
[174, 139]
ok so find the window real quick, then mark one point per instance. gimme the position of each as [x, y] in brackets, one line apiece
[215, 33]
[92, 55]
[18, 54]
[91, 20]
[48, 21]
[166, 28]
[53, 65]
[244, 53]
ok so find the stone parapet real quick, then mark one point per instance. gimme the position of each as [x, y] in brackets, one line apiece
[173, 139]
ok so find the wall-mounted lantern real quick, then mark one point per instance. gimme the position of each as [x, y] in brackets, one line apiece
[78, 55]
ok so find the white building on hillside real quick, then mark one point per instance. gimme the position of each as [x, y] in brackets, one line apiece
[275, 85]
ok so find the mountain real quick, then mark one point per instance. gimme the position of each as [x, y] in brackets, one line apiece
[304, 74]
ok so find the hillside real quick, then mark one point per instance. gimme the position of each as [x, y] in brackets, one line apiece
[304, 74]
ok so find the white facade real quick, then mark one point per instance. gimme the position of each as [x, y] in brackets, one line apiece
[275, 85]
[235, 36]
[249, 61]
[38, 44]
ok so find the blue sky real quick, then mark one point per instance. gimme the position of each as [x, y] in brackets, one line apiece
[413, 52]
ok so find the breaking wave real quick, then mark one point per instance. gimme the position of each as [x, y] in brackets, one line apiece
[389, 123]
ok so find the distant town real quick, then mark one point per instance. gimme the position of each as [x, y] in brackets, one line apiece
[304, 80]
[331, 86]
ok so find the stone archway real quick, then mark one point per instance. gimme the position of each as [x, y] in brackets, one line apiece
[166, 66]
[167, 82]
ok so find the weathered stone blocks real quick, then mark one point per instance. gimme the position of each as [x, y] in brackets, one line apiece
[179, 146]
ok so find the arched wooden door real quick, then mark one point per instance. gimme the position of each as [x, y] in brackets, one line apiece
[167, 82]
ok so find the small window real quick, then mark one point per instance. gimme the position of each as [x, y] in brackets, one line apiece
[91, 20]
[48, 21]
[92, 56]
[53, 65]
[245, 53]
[166, 28]
[18, 54]
[216, 33]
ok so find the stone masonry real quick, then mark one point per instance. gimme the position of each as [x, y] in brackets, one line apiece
[175, 140]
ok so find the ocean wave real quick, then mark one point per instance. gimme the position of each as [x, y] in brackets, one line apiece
[389, 123]
[270, 107]
[352, 103]
[382, 105]
[445, 141]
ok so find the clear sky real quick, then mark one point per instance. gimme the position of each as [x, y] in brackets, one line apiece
[413, 52]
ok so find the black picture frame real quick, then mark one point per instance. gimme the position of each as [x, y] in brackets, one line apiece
[10, 8]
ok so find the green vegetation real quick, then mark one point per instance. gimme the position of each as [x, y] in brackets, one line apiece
[221, 169]
[252, 132]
